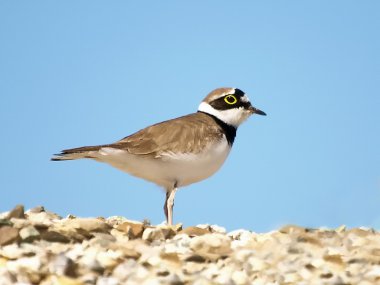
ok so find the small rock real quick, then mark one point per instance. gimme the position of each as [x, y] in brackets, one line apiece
[194, 231]
[62, 280]
[218, 229]
[15, 251]
[28, 264]
[337, 259]
[195, 258]
[211, 246]
[36, 210]
[374, 272]
[173, 258]
[5, 222]
[88, 225]
[90, 262]
[129, 250]
[168, 231]
[116, 220]
[6, 278]
[292, 278]
[88, 278]
[151, 234]
[62, 265]
[8, 235]
[17, 212]
[291, 229]
[54, 236]
[20, 223]
[124, 269]
[107, 281]
[341, 229]
[42, 220]
[29, 234]
[257, 264]
[240, 277]
[109, 259]
[131, 228]
[102, 240]
[177, 227]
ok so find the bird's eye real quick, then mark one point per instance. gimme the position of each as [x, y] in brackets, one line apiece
[230, 99]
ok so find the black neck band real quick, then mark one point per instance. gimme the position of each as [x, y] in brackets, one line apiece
[229, 131]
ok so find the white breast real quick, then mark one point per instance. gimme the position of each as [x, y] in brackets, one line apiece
[171, 168]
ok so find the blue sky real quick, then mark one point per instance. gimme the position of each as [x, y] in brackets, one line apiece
[76, 73]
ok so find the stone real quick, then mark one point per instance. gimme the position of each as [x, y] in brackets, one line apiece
[5, 222]
[35, 210]
[292, 278]
[168, 231]
[14, 251]
[62, 265]
[257, 264]
[107, 281]
[17, 212]
[90, 262]
[109, 259]
[25, 264]
[240, 277]
[178, 227]
[341, 229]
[54, 236]
[152, 234]
[61, 280]
[88, 278]
[337, 259]
[102, 240]
[194, 231]
[292, 229]
[29, 234]
[19, 223]
[123, 270]
[8, 235]
[49, 250]
[130, 250]
[6, 278]
[114, 221]
[211, 246]
[88, 225]
[41, 220]
[218, 229]
[131, 228]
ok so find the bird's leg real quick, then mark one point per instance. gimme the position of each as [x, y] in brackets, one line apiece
[169, 203]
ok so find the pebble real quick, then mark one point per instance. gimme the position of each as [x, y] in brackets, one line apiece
[40, 247]
[153, 234]
[8, 235]
[17, 212]
[194, 231]
[29, 234]
[131, 228]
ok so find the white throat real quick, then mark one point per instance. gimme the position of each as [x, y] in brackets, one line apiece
[233, 117]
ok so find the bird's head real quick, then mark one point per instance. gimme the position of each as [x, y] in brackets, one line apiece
[229, 105]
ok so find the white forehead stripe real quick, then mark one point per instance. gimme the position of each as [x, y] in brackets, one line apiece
[245, 99]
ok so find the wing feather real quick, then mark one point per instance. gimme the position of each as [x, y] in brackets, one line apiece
[186, 134]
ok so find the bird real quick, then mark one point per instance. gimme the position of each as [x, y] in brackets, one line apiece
[177, 152]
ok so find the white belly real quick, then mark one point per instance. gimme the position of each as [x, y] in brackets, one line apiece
[170, 169]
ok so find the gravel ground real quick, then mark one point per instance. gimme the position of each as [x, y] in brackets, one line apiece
[40, 247]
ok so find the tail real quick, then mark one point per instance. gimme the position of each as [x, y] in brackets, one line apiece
[77, 153]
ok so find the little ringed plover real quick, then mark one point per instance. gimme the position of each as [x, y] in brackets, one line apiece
[177, 152]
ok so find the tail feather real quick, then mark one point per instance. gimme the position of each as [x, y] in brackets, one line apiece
[76, 153]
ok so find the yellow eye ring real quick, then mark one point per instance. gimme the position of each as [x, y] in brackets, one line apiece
[230, 99]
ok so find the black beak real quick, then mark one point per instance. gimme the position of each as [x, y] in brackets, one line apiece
[257, 111]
